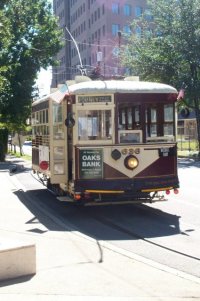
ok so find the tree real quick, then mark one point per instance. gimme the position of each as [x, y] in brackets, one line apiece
[32, 40]
[4, 43]
[168, 49]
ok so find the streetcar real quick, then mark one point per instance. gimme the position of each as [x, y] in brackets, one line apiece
[107, 141]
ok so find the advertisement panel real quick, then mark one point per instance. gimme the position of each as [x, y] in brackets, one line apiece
[91, 163]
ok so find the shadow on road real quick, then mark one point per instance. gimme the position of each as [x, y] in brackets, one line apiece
[187, 163]
[119, 222]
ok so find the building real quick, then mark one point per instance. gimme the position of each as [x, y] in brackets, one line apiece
[97, 27]
[187, 125]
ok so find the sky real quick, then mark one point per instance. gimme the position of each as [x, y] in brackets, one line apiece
[44, 81]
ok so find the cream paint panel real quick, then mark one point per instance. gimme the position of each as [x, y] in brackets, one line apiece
[145, 159]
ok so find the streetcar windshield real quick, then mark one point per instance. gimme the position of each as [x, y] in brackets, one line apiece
[94, 125]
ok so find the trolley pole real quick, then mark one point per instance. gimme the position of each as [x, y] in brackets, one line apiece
[82, 70]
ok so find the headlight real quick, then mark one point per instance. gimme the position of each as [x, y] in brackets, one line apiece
[131, 162]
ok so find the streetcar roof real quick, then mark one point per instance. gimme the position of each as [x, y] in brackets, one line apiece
[111, 87]
[119, 86]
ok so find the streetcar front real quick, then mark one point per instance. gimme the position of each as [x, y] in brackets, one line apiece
[124, 142]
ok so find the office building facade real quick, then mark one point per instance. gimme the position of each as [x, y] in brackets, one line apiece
[98, 28]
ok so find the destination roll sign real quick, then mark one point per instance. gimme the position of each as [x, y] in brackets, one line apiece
[97, 98]
[91, 163]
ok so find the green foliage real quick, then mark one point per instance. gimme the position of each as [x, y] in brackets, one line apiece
[4, 43]
[32, 40]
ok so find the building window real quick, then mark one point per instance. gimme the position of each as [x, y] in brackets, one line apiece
[138, 11]
[115, 29]
[148, 15]
[127, 29]
[103, 30]
[103, 9]
[115, 8]
[138, 31]
[127, 10]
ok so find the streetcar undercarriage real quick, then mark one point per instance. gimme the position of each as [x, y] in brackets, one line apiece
[92, 198]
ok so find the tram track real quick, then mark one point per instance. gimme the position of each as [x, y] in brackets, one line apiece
[137, 236]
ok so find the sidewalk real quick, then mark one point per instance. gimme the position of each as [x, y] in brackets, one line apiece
[72, 267]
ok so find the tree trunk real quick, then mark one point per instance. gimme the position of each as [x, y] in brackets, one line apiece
[20, 145]
[197, 111]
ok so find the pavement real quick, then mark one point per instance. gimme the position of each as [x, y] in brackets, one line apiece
[71, 266]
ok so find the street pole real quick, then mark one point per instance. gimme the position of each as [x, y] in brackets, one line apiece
[119, 46]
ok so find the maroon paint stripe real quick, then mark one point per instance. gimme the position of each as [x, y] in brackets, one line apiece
[162, 166]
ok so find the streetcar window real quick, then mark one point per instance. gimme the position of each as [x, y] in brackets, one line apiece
[168, 130]
[94, 124]
[58, 132]
[168, 119]
[37, 118]
[43, 116]
[33, 121]
[58, 128]
[40, 117]
[151, 121]
[47, 116]
[168, 113]
[129, 117]
[57, 113]
[159, 122]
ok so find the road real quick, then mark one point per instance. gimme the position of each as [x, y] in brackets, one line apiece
[27, 148]
[166, 233]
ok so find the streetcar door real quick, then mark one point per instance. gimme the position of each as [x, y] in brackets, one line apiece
[58, 147]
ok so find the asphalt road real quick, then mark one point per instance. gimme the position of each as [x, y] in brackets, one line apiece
[167, 233]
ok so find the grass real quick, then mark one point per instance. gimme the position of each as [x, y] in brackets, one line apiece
[17, 155]
[188, 148]
[188, 145]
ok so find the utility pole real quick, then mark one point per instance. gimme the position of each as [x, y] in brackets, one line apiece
[99, 54]
[119, 47]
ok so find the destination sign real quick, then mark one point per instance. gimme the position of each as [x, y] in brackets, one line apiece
[91, 163]
[94, 99]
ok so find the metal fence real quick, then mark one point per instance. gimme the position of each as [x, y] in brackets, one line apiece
[187, 135]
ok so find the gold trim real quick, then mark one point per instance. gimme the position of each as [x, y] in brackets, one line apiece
[104, 191]
[156, 189]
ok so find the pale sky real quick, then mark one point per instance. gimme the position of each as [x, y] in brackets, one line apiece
[44, 82]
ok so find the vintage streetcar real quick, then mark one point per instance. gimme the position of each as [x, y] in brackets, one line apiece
[107, 141]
